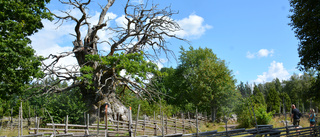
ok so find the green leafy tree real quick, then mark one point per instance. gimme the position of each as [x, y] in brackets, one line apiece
[19, 19]
[167, 84]
[263, 117]
[305, 23]
[246, 116]
[2, 106]
[258, 96]
[277, 85]
[206, 81]
[244, 110]
[262, 89]
[244, 89]
[315, 88]
[241, 89]
[273, 100]
[287, 101]
[302, 90]
[67, 103]
[293, 88]
[147, 107]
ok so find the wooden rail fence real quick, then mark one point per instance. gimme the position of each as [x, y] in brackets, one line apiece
[122, 128]
[260, 130]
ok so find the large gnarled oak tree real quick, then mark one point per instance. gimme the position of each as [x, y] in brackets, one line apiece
[133, 48]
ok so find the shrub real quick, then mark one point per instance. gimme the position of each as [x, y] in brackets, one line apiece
[262, 116]
[246, 116]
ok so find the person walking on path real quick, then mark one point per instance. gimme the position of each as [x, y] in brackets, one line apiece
[295, 116]
[312, 118]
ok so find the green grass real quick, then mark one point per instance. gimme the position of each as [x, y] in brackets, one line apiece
[12, 132]
[304, 122]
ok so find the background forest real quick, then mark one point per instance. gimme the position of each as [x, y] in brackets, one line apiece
[182, 93]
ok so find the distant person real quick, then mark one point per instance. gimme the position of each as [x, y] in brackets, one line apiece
[312, 118]
[295, 116]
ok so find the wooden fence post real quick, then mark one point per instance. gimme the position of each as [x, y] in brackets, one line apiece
[155, 123]
[189, 120]
[106, 121]
[175, 125]
[118, 121]
[11, 118]
[29, 122]
[135, 129]
[21, 115]
[54, 129]
[166, 124]
[183, 128]
[19, 122]
[36, 123]
[84, 118]
[197, 122]
[130, 123]
[162, 125]
[66, 126]
[144, 124]
[98, 121]
[88, 118]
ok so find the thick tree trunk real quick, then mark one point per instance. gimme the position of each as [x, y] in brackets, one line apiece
[115, 107]
[92, 98]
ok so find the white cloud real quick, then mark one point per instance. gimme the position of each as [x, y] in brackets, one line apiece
[137, 1]
[49, 40]
[192, 27]
[122, 21]
[123, 73]
[276, 70]
[237, 73]
[250, 55]
[260, 53]
[160, 63]
[265, 53]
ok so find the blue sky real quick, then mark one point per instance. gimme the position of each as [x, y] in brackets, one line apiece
[252, 36]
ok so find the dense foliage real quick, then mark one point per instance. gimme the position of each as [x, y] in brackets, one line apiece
[147, 107]
[202, 81]
[273, 100]
[67, 103]
[58, 106]
[305, 23]
[19, 19]
[252, 110]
